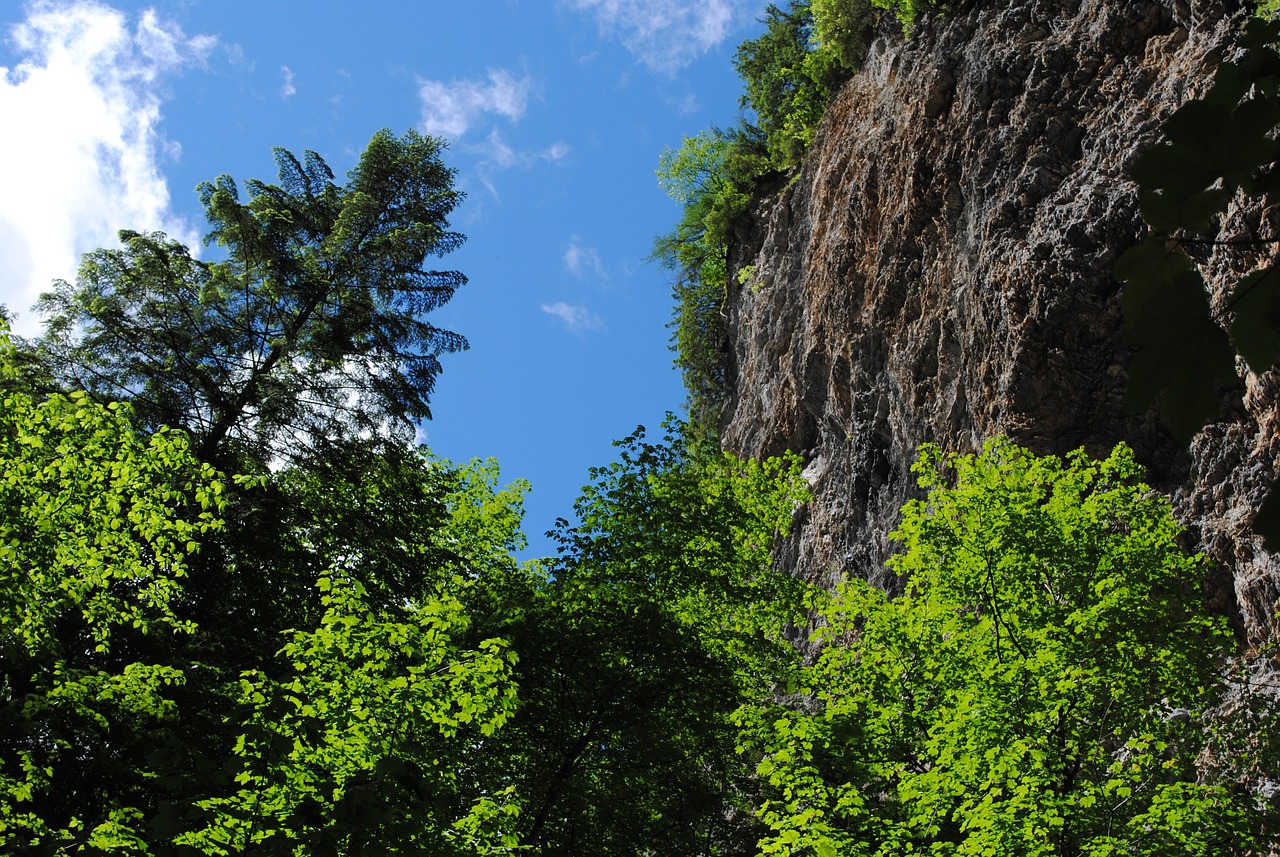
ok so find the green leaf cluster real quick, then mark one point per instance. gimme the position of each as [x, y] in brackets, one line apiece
[362, 744]
[1038, 689]
[661, 616]
[98, 526]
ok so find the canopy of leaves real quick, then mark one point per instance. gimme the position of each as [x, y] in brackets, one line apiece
[135, 719]
[361, 746]
[308, 331]
[662, 616]
[98, 523]
[1037, 690]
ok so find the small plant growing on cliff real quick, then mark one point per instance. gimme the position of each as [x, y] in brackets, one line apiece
[1037, 690]
[789, 74]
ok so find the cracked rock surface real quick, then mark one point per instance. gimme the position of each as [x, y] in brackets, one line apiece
[940, 270]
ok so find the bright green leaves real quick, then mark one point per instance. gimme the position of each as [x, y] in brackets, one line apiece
[662, 615]
[97, 526]
[130, 727]
[96, 522]
[788, 81]
[362, 743]
[1036, 690]
[712, 175]
[1213, 147]
[1183, 358]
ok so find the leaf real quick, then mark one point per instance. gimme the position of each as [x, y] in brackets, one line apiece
[1182, 354]
[1256, 327]
[1214, 146]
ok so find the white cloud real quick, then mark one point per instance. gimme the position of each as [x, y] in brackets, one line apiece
[449, 109]
[583, 261]
[667, 35]
[287, 88]
[496, 154]
[81, 153]
[575, 318]
[555, 152]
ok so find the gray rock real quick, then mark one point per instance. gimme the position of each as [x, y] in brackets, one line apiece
[940, 271]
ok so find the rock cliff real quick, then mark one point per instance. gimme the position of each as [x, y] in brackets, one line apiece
[940, 270]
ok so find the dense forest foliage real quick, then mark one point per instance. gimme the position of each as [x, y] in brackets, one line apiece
[242, 614]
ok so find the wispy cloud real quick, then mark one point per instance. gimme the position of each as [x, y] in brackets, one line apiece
[583, 261]
[576, 318]
[450, 109]
[555, 152]
[667, 35]
[495, 152]
[287, 88]
[82, 151]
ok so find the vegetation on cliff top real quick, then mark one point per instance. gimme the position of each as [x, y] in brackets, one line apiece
[789, 74]
[339, 653]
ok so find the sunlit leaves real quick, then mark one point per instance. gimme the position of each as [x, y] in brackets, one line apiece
[662, 615]
[1037, 689]
[362, 743]
[97, 526]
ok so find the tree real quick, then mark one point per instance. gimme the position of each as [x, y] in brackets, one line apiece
[135, 720]
[788, 81]
[661, 616]
[308, 331]
[1038, 689]
[98, 525]
[366, 741]
[712, 175]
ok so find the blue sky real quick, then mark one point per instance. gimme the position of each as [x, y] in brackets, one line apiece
[556, 112]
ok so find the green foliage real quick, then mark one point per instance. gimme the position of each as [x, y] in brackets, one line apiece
[712, 176]
[366, 742]
[806, 52]
[137, 718]
[788, 81]
[98, 524]
[662, 616]
[1037, 690]
[309, 330]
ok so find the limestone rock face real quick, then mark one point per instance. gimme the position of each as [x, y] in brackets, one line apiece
[940, 271]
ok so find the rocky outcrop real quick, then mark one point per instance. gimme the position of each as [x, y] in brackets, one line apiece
[940, 270]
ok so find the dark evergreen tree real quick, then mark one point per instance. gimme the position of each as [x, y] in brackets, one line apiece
[307, 331]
